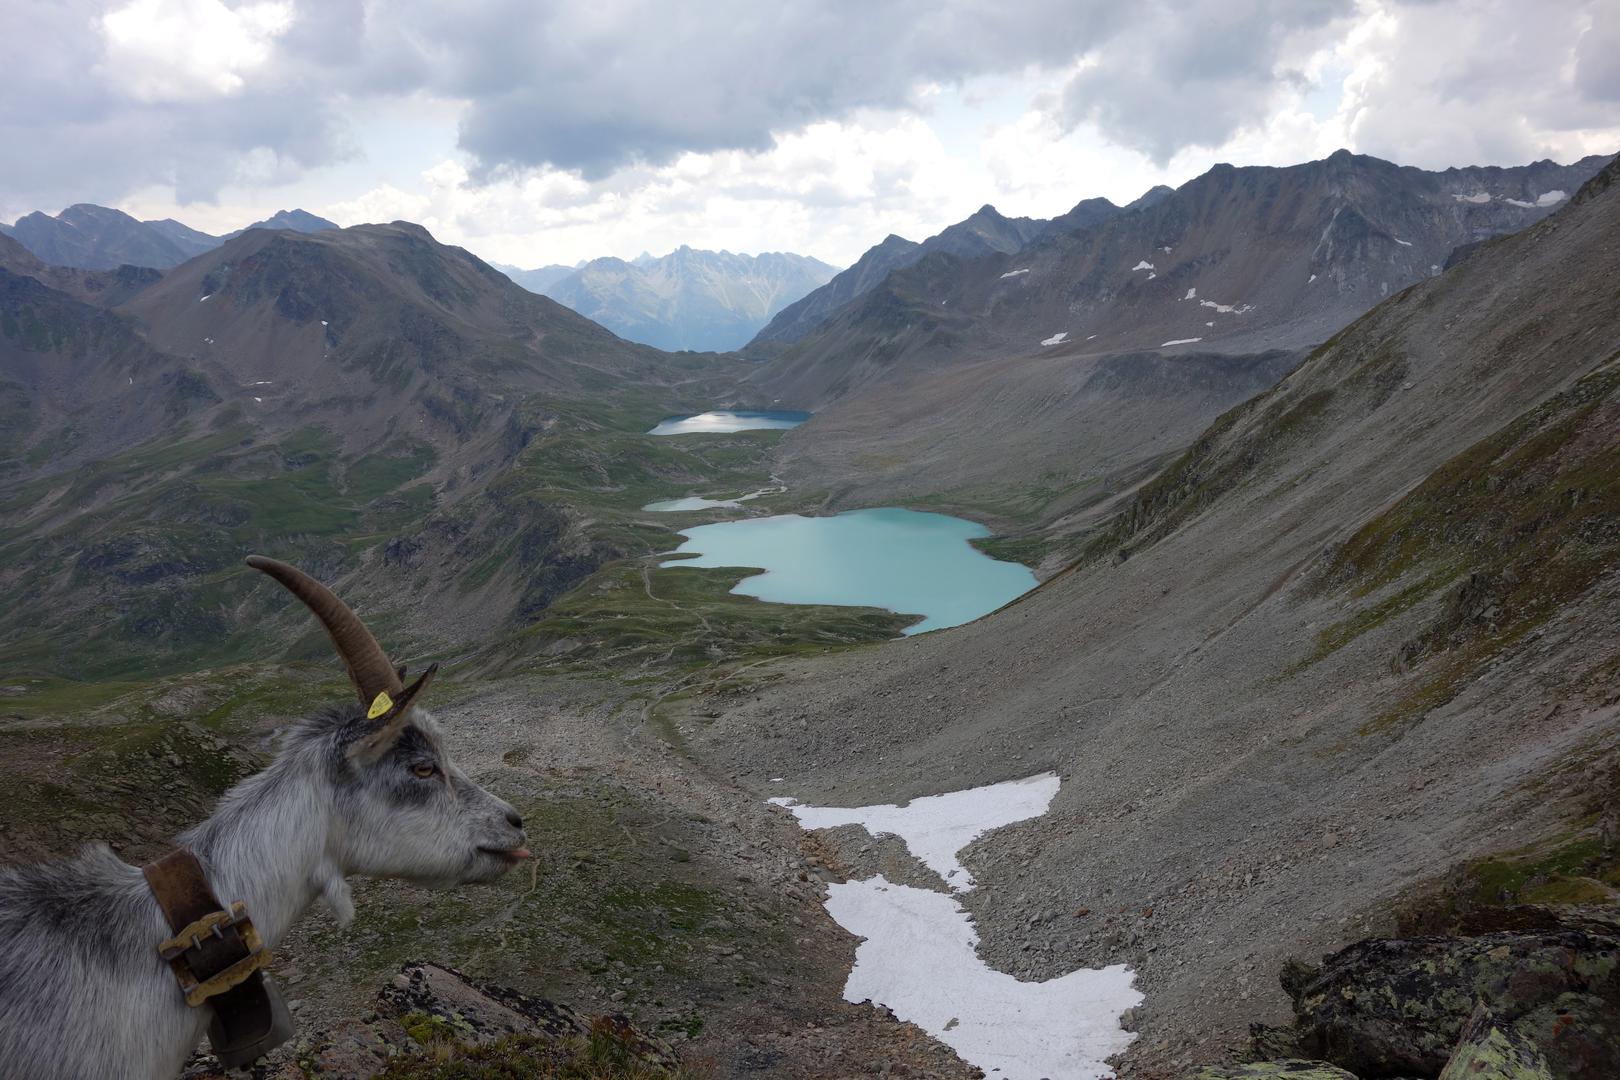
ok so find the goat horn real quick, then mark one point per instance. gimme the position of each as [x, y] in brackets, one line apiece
[368, 665]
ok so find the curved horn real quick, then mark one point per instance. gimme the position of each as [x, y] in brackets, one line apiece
[368, 665]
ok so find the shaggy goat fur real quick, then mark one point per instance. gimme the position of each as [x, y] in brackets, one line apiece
[83, 992]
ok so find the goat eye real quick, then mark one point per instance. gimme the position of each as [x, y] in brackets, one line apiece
[425, 772]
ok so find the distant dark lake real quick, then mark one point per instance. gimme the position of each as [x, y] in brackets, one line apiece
[721, 421]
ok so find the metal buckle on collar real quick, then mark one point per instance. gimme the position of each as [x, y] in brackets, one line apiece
[200, 986]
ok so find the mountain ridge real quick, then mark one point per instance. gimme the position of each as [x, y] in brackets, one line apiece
[985, 231]
[1230, 261]
[89, 237]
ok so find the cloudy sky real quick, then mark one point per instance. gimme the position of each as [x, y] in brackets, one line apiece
[534, 131]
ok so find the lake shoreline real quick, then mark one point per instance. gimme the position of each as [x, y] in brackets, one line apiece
[904, 561]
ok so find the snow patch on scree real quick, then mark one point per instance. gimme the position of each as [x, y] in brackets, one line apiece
[1055, 339]
[935, 827]
[919, 958]
[1144, 265]
[1181, 341]
[1015, 273]
[919, 955]
[1546, 198]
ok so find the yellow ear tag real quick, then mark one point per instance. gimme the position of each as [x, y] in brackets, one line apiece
[381, 704]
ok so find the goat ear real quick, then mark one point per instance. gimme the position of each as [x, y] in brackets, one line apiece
[389, 725]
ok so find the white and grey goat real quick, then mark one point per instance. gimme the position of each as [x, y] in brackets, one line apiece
[83, 989]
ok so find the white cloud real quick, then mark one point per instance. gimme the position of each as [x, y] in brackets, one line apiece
[829, 190]
[813, 133]
[1193, 73]
[1457, 82]
[185, 50]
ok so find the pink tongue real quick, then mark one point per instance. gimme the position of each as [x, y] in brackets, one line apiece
[520, 853]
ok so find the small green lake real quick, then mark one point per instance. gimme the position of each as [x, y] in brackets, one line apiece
[903, 560]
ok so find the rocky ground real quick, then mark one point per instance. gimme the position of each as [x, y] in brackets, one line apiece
[658, 891]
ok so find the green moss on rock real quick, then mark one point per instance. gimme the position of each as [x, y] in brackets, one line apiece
[1292, 1069]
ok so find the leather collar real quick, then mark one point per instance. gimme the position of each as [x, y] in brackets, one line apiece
[216, 957]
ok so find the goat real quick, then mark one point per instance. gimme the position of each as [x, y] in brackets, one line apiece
[83, 989]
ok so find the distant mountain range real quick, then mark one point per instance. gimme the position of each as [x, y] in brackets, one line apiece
[90, 237]
[540, 278]
[688, 299]
[1238, 260]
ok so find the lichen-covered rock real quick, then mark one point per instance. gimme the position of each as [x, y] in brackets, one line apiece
[436, 1003]
[1274, 1070]
[1488, 1051]
[355, 1048]
[431, 1014]
[1577, 1034]
[1269, 1043]
[1392, 1008]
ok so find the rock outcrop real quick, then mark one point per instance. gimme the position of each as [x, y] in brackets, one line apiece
[429, 1016]
[1389, 1008]
[1291, 1069]
[1526, 1005]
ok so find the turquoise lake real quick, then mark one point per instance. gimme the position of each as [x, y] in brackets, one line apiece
[902, 560]
[720, 421]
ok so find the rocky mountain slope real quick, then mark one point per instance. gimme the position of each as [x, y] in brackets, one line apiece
[104, 288]
[1356, 638]
[192, 242]
[1060, 422]
[688, 299]
[803, 315]
[326, 394]
[985, 232]
[90, 237]
[1236, 260]
[1040, 446]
